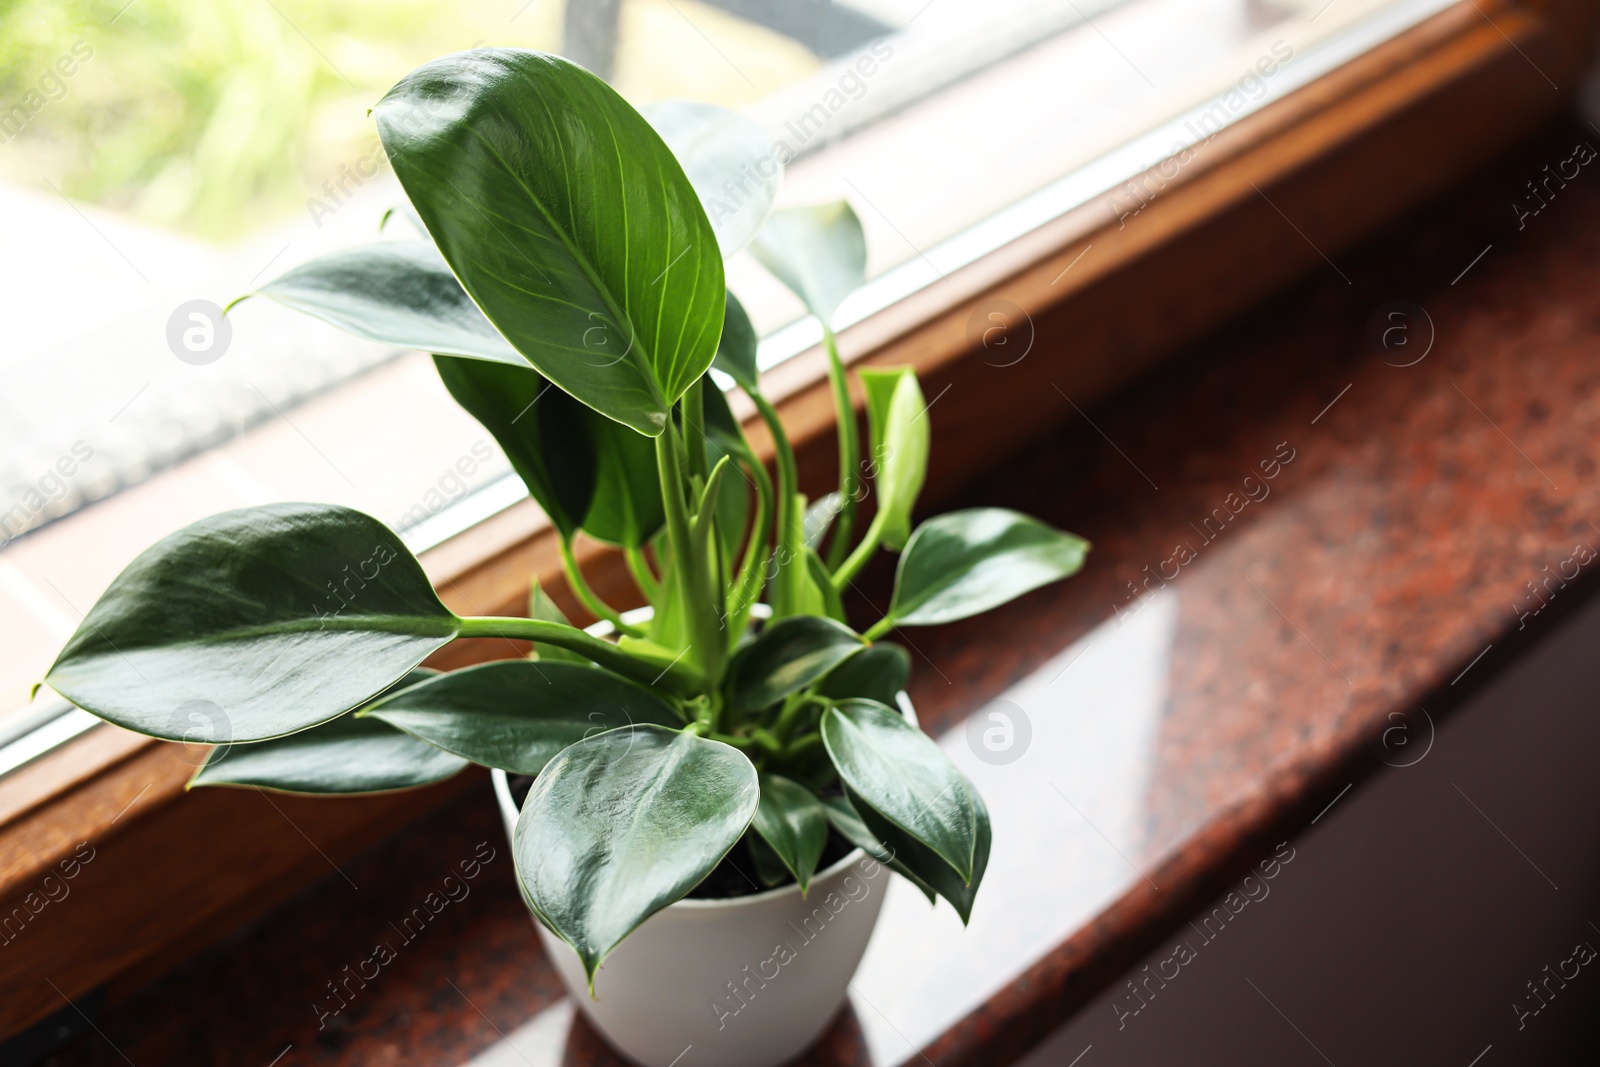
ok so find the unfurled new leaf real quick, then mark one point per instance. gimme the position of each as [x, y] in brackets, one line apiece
[899, 424]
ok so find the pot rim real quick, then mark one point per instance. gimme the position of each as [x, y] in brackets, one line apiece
[509, 810]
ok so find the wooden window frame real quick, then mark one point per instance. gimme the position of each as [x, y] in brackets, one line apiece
[171, 871]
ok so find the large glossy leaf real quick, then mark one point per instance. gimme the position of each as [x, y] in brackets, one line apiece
[347, 755]
[877, 673]
[793, 821]
[899, 425]
[736, 350]
[543, 432]
[927, 870]
[965, 562]
[396, 293]
[252, 624]
[568, 220]
[843, 817]
[819, 252]
[518, 714]
[624, 823]
[789, 655]
[904, 776]
[728, 159]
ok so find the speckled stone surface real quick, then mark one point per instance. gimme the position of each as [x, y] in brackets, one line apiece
[1385, 565]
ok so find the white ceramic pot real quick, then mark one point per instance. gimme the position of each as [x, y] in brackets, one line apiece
[744, 982]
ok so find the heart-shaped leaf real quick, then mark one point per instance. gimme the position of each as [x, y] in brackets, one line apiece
[905, 777]
[518, 714]
[819, 252]
[347, 755]
[787, 656]
[568, 220]
[731, 163]
[965, 562]
[877, 673]
[398, 293]
[793, 821]
[927, 869]
[899, 425]
[624, 823]
[253, 624]
[736, 350]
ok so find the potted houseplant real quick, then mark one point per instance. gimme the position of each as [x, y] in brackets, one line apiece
[715, 779]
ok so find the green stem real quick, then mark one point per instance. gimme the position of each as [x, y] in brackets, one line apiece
[747, 586]
[789, 557]
[643, 576]
[863, 552]
[791, 714]
[693, 571]
[580, 589]
[694, 430]
[879, 628]
[849, 452]
[803, 745]
[680, 678]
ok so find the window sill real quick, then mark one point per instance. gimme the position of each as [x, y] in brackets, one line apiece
[1102, 303]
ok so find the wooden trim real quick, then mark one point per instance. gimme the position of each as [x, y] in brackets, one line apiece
[174, 871]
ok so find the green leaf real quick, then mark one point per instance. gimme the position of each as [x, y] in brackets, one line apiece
[788, 656]
[899, 426]
[627, 509]
[624, 823]
[736, 350]
[346, 755]
[543, 432]
[793, 821]
[966, 562]
[540, 606]
[926, 868]
[819, 252]
[904, 776]
[517, 714]
[878, 673]
[253, 624]
[567, 219]
[844, 818]
[726, 158]
[398, 293]
[769, 867]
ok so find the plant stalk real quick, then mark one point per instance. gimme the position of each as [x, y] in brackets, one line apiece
[849, 452]
[580, 589]
[786, 550]
[680, 678]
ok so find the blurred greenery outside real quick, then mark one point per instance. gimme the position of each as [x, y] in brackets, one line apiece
[219, 117]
